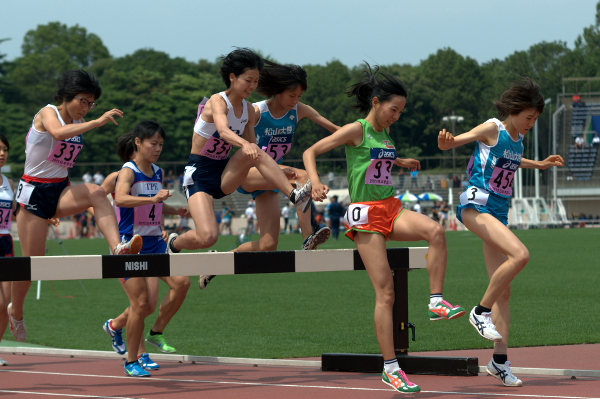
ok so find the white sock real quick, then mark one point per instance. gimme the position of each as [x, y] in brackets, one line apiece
[391, 365]
[434, 299]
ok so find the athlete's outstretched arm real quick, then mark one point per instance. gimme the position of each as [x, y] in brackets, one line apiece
[47, 121]
[351, 134]
[486, 132]
[306, 111]
[552, 160]
[124, 200]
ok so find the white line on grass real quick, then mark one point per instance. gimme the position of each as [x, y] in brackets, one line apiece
[259, 384]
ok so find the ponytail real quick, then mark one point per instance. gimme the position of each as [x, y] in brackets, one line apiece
[372, 86]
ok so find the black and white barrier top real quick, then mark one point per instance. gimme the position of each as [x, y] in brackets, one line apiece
[198, 263]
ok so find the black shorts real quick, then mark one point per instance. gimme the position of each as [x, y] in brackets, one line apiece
[203, 174]
[6, 246]
[40, 198]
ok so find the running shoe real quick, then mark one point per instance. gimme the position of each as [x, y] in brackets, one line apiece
[147, 363]
[171, 238]
[3, 362]
[484, 325]
[135, 370]
[117, 339]
[315, 239]
[503, 373]
[399, 382]
[17, 327]
[303, 196]
[131, 247]
[204, 280]
[443, 310]
[159, 341]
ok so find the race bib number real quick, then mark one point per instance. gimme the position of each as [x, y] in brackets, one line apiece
[65, 153]
[5, 212]
[357, 215]
[148, 215]
[216, 148]
[278, 146]
[474, 195]
[502, 176]
[470, 166]
[24, 192]
[379, 171]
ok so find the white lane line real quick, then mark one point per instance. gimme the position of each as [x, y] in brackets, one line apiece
[67, 395]
[259, 384]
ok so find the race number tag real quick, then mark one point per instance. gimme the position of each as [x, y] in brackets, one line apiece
[148, 215]
[379, 171]
[470, 166]
[474, 195]
[216, 148]
[278, 146]
[502, 176]
[356, 215]
[24, 192]
[65, 152]
[5, 212]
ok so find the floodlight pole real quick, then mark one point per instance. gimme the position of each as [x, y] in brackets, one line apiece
[453, 119]
[554, 136]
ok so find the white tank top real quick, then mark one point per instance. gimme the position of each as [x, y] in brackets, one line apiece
[208, 130]
[6, 203]
[39, 146]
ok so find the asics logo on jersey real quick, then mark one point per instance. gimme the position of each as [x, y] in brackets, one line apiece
[513, 156]
[5, 204]
[76, 139]
[136, 265]
[278, 140]
[510, 165]
[386, 154]
[387, 144]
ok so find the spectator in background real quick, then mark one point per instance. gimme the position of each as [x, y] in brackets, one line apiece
[249, 219]
[456, 182]
[98, 178]
[579, 142]
[336, 211]
[417, 207]
[170, 180]
[330, 179]
[595, 141]
[83, 218]
[285, 214]
[577, 101]
[465, 182]
[226, 215]
[180, 180]
[443, 214]
[87, 177]
[428, 185]
[569, 175]
[413, 179]
[401, 175]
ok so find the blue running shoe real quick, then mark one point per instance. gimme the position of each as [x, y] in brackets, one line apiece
[117, 339]
[147, 363]
[135, 370]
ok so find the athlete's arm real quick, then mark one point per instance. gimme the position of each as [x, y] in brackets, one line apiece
[552, 160]
[14, 206]
[306, 111]
[47, 121]
[124, 200]
[219, 115]
[109, 183]
[350, 134]
[486, 133]
[408, 163]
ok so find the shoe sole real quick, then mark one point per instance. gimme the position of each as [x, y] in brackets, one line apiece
[454, 316]
[158, 347]
[131, 375]
[491, 374]
[478, 332]
[136, 245]
[394, 388]
[320, 240]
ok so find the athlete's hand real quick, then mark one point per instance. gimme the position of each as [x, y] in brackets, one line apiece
[552, 160]
[183, 211]
[410, 164]
[290, 173]
[54, 221]
[109, 116]
[165, 235]
[161, 196]
[445, 140]
[251, 150]
[319, 192]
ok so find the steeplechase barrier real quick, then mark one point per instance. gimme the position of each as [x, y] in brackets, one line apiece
[401, 261]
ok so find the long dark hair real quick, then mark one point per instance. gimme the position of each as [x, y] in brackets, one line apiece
[275, 78]
[237, 62]
[521, 94]
[384, 88]
[4, 141]
[74, 82]
[126, 146]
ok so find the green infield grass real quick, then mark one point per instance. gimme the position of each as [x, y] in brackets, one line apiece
[307, 314]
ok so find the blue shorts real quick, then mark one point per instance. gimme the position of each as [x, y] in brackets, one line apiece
[6, 246]
[151, 245]
[255, 193]
[483, 202]
[38, 198]
[203, 174]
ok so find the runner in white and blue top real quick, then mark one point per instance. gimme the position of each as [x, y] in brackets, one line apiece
[484, 207]
[224, 121]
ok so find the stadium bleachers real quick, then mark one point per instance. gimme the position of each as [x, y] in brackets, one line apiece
[581, 162]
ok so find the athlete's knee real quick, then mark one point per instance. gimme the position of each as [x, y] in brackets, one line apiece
[97, 194]
[204, 239]
[437, 234]
[386, 296]
[521, 257]
[181, 285]
[140, 306]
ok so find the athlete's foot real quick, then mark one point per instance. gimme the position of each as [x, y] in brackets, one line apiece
[503, 373]
[315, 239]
[117, 339]
[399, 382]
[3, 362]
[301, 196]
[444, 310]
[484, 325]
[158, 340]
[170, 240]
[135, 370]
[17, 327]
[147, 363]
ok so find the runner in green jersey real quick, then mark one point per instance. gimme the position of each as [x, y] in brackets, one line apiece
[375, 215]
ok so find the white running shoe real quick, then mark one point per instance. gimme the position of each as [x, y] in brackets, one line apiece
[484, 325]
[17, 327]
[171, 238]
[315, 239]
[503, 373]
[204, 280]
[3, 362]
[303, 196]
[131, 247]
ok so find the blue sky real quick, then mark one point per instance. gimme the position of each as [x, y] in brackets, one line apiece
[310, 31]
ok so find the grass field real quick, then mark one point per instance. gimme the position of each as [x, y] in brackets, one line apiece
[306, 314]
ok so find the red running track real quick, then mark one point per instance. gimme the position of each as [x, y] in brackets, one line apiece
[29, 376]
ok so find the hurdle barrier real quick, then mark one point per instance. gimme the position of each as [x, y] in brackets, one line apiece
[401, 260]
